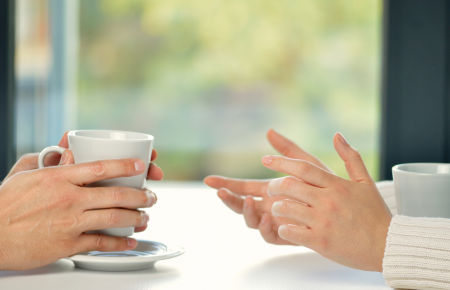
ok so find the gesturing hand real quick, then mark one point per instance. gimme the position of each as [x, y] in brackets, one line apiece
[344, 220]
[238, 194]
[46, 212]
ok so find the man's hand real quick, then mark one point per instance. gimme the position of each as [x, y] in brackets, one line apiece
[46, 213]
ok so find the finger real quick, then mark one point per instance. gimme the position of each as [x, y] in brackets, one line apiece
[304, 170]
[67, 158]
[104, 243]
[122, 197]
[251, 217]
[241, 187]
[292, 187]
[289, 149]
[155, 172]
[269, 232]
[293, 210]
[235, 203]
[354, 164]
[140, 229]
[53, 159]
[113, 218]
[154, 154]
[85, 173]
[298, 235]
[285, 146]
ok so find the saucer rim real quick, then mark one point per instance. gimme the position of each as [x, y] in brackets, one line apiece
[174, 250]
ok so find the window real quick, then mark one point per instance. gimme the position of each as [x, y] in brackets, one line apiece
[207, 79]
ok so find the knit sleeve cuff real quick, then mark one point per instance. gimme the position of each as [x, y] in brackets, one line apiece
[417, 254]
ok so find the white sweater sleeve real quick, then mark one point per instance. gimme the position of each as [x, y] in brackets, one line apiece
[417, 254]
[386, 188]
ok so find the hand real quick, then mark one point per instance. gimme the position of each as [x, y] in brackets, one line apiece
[30, 162]
[257, 212]
[343, 220]
[46, 212]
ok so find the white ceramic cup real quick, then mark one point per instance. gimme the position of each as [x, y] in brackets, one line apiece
[94, 145]
[422, 189]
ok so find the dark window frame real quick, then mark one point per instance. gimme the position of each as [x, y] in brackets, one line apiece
[7, 87]
[415, 90]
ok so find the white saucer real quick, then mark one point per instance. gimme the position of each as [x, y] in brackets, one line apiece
[144, 256]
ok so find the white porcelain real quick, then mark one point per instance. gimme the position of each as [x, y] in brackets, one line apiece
[94, 145]
[422, 189]
[144, 256]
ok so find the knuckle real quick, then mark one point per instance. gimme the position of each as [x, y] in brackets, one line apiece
[127, 167]
[303, 168]
[286, 184]
[355, 153]
[27, 158]
[284, 207]
[331, 206]
[288, 232]
[100, 242]
[118, 195]
[98, 168]
[323, 243]
[114, 217]
[65, 199]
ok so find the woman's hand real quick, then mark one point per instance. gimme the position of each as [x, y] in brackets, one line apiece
[46, 213]
[239, 194]
[344, 220]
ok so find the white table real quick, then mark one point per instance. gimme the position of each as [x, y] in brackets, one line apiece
[221, 253]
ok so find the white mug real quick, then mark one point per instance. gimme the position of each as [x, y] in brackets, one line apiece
[422, 189]
[94, 145]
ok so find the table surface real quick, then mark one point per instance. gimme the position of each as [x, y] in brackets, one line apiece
[221, 253]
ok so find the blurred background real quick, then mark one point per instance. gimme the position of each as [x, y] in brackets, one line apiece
[206, 78]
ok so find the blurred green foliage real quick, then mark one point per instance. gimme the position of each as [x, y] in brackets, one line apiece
[208, 78]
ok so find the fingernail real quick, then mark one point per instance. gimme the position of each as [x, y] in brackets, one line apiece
[144, 218]
[139, 166]
[274, 184]
[275, 207]
[264, 220]
[341, 137]
[245, 204]
[131, 242]
[267, 160]
[150, 197]
[64, 158]
[281, 231]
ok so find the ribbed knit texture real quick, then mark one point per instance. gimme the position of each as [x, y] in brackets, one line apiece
[417, 254]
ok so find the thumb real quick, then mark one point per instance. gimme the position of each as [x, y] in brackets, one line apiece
[67, 158]
[354, 164]
[64, 142]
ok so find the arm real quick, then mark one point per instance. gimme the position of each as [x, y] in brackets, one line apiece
[417, 253]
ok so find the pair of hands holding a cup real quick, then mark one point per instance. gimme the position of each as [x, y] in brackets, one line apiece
[46, 213]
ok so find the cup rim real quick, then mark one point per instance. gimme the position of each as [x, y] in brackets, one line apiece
[396, 168]
[148, 137]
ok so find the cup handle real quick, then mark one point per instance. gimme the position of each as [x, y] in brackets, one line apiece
[47, 151]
